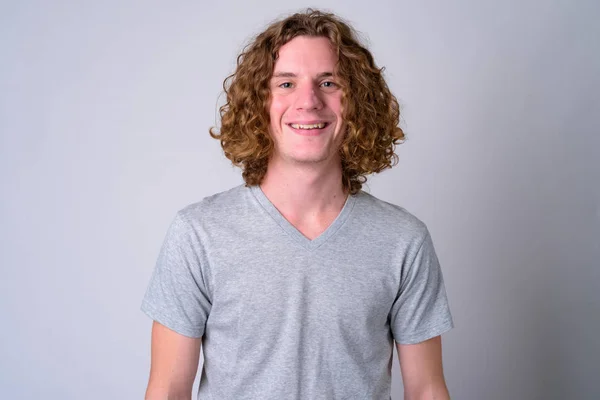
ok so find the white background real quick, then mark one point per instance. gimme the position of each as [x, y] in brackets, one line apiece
[104, 116]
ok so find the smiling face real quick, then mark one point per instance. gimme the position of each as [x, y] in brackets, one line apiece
[306, 103]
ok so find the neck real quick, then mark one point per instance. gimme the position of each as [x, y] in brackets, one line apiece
[303, 191]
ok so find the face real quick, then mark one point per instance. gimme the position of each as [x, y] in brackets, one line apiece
[306, 103]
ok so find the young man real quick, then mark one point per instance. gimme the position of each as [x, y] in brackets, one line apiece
[298, 283]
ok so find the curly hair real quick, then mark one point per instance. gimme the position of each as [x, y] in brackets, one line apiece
[370, 110]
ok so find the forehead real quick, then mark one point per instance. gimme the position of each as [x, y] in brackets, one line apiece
[306, 54]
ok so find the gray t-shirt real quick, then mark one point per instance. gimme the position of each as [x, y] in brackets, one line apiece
[285, 317]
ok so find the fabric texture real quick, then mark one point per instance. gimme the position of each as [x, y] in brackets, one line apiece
[285, 317]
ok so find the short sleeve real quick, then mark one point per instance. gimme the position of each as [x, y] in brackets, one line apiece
[177, 296]
[421, 310]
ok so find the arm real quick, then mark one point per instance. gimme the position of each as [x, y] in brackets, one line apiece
[422, 374]
[174, 362]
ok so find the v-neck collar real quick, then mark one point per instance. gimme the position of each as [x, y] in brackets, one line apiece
[291, 229]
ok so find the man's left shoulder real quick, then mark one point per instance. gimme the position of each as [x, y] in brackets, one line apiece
[387, 216]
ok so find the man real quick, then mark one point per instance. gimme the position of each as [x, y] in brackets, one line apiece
[297, 283]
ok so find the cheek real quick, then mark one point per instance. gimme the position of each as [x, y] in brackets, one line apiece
[339, 106]
[335, 104]
[277, 108]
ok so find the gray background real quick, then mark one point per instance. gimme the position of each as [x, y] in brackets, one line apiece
[104, 111]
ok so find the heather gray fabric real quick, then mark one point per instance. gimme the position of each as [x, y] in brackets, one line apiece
[284, 317]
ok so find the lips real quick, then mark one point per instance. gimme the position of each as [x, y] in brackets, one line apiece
[319, 125]
[308, 128]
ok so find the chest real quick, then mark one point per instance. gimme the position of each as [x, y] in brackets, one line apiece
[270, 289]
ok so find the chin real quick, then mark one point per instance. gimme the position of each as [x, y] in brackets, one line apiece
[309, 158]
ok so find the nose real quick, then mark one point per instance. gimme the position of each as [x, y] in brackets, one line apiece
[309, 98]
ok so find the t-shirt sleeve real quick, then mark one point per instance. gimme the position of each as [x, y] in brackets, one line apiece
[177, 296]
[421, 310]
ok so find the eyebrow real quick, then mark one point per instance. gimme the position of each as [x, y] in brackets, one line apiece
[293, 75]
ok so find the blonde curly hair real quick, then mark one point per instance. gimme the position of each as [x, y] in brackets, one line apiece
[370, 110]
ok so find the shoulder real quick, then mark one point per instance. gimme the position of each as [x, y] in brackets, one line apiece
[387, 218]
[216, 207]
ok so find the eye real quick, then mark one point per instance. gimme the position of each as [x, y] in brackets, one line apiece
[328, 84]
[286, 85]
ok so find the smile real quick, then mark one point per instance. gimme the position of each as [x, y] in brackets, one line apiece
[320, 125]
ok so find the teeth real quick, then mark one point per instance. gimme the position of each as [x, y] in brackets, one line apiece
[313, 126]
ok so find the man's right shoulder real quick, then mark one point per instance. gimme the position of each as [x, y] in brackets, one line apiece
[216, 207]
